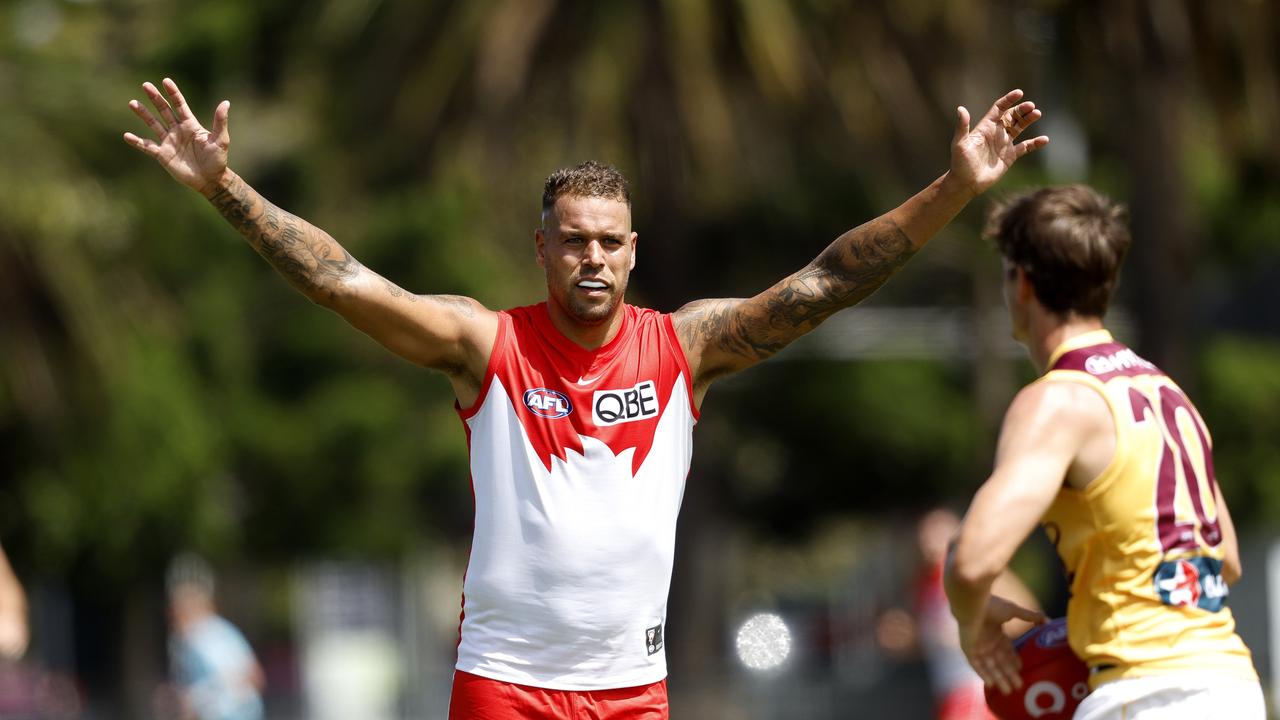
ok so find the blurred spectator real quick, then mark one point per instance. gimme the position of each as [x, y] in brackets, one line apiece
[215, 673]
[931, 629]
[14, 632]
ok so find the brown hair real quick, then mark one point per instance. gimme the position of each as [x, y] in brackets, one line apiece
[1069, 240]
[590, 179]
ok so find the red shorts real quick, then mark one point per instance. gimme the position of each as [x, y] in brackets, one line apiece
[478, 698]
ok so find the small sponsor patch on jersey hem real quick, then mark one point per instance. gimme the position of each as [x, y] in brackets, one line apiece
[653, 639]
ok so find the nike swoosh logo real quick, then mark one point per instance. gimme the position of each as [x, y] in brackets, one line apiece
[588, 381]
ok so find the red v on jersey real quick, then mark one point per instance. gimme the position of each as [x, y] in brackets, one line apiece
[571, 558]
[562, 392]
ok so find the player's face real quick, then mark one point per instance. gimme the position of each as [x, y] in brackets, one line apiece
[1013, 280]
[588, 250]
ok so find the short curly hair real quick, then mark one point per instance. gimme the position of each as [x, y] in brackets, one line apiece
[1070, 240]
[589, 179]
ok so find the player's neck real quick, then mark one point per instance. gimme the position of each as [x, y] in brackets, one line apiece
[1050, 331]
[588, 336]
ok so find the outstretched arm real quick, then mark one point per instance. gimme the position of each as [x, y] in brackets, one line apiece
[444, 332]
[726, 335]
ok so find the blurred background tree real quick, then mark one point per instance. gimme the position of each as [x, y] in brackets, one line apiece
[161, 389]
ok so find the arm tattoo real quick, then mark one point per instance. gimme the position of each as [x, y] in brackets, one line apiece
[850, 269]
[311, 260]
[396, 291]
[847, 271]
[461, 305]
[457, 303]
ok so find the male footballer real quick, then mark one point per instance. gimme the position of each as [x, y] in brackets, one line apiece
[579, 409]
[1111, 456]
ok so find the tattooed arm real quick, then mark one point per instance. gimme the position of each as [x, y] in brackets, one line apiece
[445, 332]
[727, 335]
[430, 330]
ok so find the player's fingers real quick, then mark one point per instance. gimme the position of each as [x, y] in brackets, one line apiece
[1021, 613]
[141, 111]
[1029, 119]
[997, 676]
[220, 128]
[161, 104]
[1025, 147]
[150, 147]
[1019, 118]
[1004, 103]
[1008, 666]
[179, 103]
[962, 124]
[980, 667]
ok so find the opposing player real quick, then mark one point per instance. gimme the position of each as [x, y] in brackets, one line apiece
[957, 691]
[579, 410]
[1109, 454]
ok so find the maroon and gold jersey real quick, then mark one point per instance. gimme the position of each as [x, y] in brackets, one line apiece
[1141, 543]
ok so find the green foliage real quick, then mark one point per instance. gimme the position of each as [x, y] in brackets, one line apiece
[161, 389]
[1240, 402]
[819, 437]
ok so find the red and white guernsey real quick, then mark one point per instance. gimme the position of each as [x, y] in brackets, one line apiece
[578, 465]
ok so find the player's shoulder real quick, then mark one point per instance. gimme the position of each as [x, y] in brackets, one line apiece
[644, 314]
[524, 312]
[1058, 401]
[701, 320]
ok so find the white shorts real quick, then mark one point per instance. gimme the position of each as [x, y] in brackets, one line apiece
[1183, 696]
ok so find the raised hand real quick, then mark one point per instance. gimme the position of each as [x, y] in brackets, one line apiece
[194, 156]
[982, 155]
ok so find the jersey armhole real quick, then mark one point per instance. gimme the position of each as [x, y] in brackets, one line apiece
[668, 326]
[1108, 475]
[490, 369]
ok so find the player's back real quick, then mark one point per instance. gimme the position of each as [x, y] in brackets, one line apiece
[1141, 544]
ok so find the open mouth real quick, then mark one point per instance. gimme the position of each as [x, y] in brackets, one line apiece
[592, 285]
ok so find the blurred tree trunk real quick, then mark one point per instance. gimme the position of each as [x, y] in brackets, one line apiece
[697, 602]
[993, 375]
[1151, 42]
[142, 668]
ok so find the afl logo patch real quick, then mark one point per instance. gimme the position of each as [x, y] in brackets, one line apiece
[547, 403]
[1054, 635]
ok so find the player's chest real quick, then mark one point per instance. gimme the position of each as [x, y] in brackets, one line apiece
[590, 398]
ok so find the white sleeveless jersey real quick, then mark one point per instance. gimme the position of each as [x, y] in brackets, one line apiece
[578, 465]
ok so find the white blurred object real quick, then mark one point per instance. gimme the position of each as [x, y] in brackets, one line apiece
[764, 642]
[350, 641]
[350, 674]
